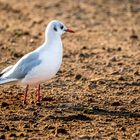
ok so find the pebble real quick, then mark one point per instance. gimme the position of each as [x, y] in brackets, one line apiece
[114, 59]
[13, 135]
[4, 104]
[62, 131]
[84, 137]
[116, 103]
[78, 76]
[7, 128]
[2, 137]
[121, 78]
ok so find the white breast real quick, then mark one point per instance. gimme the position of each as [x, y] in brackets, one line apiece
[51, 59]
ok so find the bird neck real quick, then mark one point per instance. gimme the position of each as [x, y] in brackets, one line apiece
[52, 41]
[51, 36]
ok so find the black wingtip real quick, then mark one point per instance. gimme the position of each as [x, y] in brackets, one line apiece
[1, 74]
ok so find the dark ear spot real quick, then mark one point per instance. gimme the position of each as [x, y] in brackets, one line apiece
[55, 28]
[62, 27]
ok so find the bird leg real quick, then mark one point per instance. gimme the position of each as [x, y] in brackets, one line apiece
[38, 94]
[25, 95]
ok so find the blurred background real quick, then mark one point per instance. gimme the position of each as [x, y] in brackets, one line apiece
[96, 92]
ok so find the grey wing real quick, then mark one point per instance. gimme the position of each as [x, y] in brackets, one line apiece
[25, 65]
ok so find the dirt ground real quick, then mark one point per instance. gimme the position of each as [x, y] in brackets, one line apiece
[96, 94]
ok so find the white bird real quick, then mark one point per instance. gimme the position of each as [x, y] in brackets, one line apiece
[41, 64]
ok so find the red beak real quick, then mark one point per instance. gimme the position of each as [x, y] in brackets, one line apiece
[69, 30]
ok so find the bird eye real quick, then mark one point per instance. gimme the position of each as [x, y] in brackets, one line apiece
[62, 27]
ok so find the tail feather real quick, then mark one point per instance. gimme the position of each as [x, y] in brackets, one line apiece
[5, 80]
[6, 70]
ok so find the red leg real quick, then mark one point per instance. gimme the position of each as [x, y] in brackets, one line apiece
[25, 96]
[39, 97]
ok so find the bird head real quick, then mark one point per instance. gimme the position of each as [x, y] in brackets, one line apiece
[57, 28]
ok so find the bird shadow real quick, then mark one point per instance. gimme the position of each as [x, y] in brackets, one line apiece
[114, 83]
[74, 117]
[99, 111]
[84, 114]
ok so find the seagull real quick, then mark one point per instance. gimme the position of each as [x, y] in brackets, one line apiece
[40, 65]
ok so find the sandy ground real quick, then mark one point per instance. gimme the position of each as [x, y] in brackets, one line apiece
[96, 94]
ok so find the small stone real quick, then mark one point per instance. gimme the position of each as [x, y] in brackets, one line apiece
[29, 130]
[101, 82]
[2, 137]
[113, 59]
[31, 40]
[120, 63]
[133, 101]
[17, 54]
[108, 64]
[115, 73]
[133, 36]
[92, 85]
[138, 63]
[123, 128]
[90, 99]
[136, 73]
[26, 33]
[113, 138]
[119, 93]
[13, 135]
[35, 113]
[7, 128]
[4, 104]
[21, 135]
[47, 99]
[119, 49]
[38, 103]
[26, 126]
[84, 137]
[62, 131]
[116, 104]
[121, 78]
[49, 127]
[13, 129]
[84, 55]
[123, 109]
[78, 76]
[35, 36]
[84, 48]
[109, 50]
